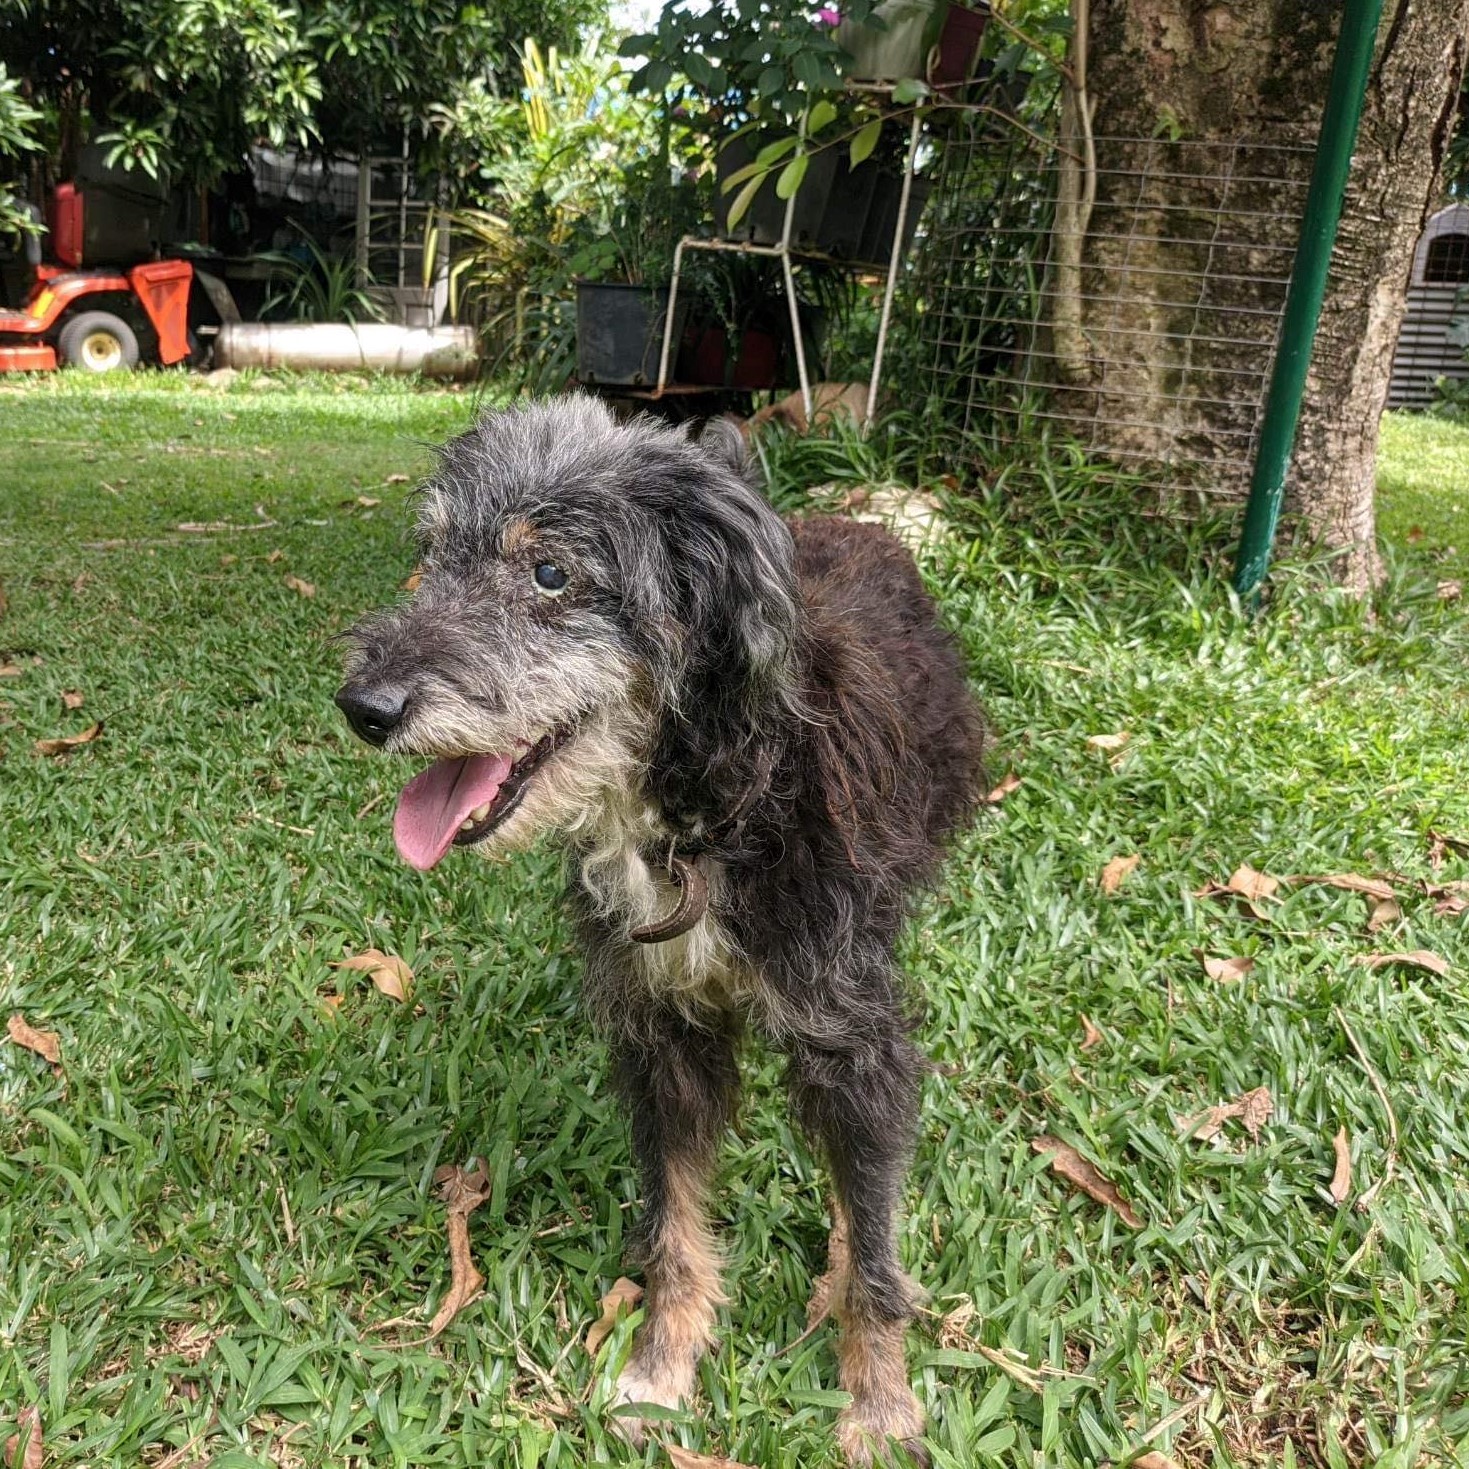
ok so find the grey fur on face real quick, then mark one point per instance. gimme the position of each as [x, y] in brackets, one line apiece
[485, 658]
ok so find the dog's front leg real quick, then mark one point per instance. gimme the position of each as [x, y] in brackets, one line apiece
[861, 1107]
[680, 1084]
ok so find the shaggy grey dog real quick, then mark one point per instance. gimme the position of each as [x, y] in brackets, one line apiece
[753, 736]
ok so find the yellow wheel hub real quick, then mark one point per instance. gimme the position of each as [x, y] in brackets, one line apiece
[101, 351]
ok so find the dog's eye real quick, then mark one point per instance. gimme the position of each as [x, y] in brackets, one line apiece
[550, 579]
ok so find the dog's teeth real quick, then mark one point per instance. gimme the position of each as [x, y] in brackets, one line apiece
[466, 825]
[478, 814]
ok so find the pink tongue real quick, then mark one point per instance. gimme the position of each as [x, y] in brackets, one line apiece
[436, 802]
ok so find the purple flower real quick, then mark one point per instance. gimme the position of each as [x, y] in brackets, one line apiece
[828, 15]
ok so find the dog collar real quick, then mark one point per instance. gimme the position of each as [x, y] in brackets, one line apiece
[693, 904]
[692, 885]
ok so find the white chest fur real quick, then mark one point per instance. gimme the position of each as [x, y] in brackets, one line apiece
[695, 971]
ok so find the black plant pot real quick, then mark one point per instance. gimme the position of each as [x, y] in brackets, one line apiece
[619, 332]
[848, 205]
[764, 221]
[876, 246]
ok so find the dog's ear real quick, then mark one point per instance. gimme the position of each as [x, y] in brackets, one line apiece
[723, 442]
[733, 563]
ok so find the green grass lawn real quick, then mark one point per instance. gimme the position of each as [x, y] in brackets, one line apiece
[1423, 485]
[219, 1238]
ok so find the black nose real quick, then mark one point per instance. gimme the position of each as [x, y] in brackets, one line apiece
[373, 712]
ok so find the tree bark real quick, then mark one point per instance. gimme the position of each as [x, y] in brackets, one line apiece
[1205, 122]
[1407, 124]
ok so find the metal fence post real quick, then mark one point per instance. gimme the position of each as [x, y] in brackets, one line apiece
[1349, 72]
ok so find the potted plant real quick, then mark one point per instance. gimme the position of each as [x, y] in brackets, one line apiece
[622, 276]
[956, 55]
[738, 323]
[894, 42]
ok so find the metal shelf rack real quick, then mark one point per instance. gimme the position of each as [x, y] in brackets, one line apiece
[787, 253]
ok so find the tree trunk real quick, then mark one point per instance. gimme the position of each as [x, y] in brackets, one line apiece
[1205, 122]
[1406, 127]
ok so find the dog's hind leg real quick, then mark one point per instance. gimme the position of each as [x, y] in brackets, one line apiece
[680, 1085]
[861, 1108]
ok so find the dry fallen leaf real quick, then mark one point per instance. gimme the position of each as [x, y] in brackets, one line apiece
[1224, 970]
[1341, 1179]
[825, 1286]
[624, 1292]
[1075, 1169]
[1384, 911]
[368, 502]
[10, 670]
[1373, 887]
[35, 1449]
[1090, 1035]
[1114, 874]
[67, 743]
[1154, 1460]
[688, 1459]
[1205, 1126]
[462, 1194]
[396, 479]
[43, 1042]
[1415, 958]
[1245, 884]
[1450, 590]
[73, 698]
[1440, 842]
[1253, 1108]
[1108, 741]
[1451, 906]
[390, 975]
[1010, 783]
[271, 557]
[296, 584]
[1251, 884]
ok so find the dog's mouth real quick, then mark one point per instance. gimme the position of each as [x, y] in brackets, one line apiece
[459, 801]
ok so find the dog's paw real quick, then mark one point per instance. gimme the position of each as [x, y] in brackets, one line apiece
[636, 1386]
[867, 1431]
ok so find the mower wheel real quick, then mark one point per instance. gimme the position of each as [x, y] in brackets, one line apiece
[98, 341]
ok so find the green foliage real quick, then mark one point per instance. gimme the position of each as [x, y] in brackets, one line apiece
[219, 1213]
[176, 88]
[316, 287]
[774, 60]
[581, 175]
[18, 121]
[183, 88]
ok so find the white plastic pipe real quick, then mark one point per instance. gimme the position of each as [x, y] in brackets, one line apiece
[441, 351]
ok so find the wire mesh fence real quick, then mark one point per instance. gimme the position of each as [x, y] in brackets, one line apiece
[1144, 331]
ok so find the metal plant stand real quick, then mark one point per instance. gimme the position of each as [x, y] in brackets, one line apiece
[787, 254]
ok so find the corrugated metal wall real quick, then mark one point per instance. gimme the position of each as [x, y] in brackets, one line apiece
[1435, 330]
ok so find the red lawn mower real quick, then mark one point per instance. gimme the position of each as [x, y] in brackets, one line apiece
[95, 317]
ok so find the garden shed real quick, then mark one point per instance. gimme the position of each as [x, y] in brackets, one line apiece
[1435, 330]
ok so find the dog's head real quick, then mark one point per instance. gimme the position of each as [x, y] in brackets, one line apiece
[603, 610]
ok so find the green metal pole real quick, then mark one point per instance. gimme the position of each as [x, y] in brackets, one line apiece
[1307, 290]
